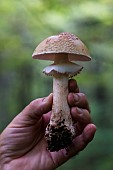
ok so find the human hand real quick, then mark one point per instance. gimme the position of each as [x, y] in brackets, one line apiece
[23, 145]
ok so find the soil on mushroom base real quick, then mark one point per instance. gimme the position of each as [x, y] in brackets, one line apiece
[58, 137]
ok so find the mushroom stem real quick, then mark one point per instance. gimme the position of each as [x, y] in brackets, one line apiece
[60, 108]
[60, 131]
[61, 58]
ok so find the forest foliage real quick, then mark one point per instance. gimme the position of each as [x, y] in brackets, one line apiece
[24, 24]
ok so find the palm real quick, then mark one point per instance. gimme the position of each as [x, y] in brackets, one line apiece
[29, 145]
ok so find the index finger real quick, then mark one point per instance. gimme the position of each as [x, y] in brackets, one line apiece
[72, 86]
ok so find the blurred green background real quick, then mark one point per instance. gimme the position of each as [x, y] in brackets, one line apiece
[25, 23]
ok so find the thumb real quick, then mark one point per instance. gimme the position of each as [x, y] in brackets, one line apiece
[39, 106]
[33, 112]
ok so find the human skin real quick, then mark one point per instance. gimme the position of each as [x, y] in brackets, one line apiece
[23, 145]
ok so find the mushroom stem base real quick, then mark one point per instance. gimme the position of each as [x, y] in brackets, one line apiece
[58, 137]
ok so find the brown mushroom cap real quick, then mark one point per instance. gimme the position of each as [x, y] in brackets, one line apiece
[62, 43]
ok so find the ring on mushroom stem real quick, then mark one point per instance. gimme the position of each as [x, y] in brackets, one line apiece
[62, 49]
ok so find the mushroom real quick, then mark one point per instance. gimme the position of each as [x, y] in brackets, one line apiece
[62, 49]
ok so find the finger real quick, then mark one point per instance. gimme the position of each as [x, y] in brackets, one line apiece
[81, 118]
[33, 112]
[80, 142]
[72, 86]
[46, 119]
[39, 106]
[79, 100]
[80, 115]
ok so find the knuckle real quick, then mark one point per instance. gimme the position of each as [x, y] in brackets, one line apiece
[34, 104]
[82, 95]
[86, 116]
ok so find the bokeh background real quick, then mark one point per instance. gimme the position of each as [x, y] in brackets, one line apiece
[25, 23]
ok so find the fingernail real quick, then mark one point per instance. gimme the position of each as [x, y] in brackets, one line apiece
[79, 110]
[47, 98]
[76, 98]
